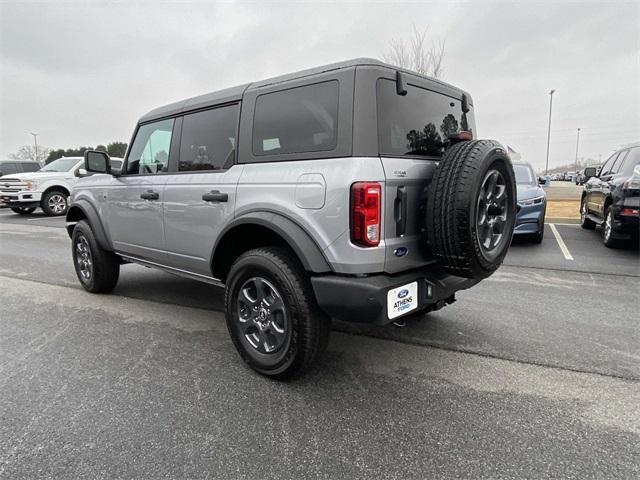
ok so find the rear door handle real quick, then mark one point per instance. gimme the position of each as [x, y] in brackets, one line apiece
[400, 211]
[150, 195]
[215, 196]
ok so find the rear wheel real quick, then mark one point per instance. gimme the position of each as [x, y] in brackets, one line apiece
[607, 230]
[54, 203]
[272, 315]
[585, 222]
[23, 210]
[471, 208]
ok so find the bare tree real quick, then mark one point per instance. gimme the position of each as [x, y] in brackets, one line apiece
[28, 152]
[417, 54]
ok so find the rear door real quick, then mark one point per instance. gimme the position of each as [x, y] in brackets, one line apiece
[412, 130]
[599, 186]
[200, 193]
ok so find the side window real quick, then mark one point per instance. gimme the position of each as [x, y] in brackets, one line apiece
[30, 167]
[150, 150]
[608, 165]
[619, 162]
[632, 160]
[209, 139]
[301, 119]
[9, 168]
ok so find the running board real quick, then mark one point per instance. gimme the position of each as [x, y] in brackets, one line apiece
[594, 219]
[176, 271]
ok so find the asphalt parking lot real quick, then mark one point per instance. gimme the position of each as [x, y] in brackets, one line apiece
[533, 373]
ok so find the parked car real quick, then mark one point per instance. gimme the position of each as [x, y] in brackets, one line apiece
[611, 197]
[310, 196]
[47, 188]
[532, 202]
[7, 167]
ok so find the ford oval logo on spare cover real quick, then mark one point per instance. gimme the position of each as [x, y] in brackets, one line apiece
[401, 251]
[403, 293]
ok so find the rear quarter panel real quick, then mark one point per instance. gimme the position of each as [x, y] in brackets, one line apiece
[315, 195]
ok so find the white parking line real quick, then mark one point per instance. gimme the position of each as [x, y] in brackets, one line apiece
[561, 244]
[39, 218]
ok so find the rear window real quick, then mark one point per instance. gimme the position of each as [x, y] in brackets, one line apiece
[418, 123]
[302, 119]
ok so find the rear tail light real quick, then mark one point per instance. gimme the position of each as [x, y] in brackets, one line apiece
[631, 212]
[366, 199]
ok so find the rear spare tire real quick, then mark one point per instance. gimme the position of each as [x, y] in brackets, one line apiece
[471, 208]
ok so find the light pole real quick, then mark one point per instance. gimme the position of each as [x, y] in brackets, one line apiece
[35, 140]
[546, 170]
[577, 145]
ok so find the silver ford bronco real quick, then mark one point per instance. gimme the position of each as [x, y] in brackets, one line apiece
[356, 191]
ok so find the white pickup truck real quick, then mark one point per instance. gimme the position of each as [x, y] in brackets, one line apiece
[48, 188]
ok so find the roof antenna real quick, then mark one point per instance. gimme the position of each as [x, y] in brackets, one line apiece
[401, 88]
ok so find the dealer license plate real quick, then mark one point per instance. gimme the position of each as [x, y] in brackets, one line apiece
[402, 300]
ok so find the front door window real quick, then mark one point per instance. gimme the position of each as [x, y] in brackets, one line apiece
[150, 150]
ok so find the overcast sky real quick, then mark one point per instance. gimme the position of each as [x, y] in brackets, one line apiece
[81, 73]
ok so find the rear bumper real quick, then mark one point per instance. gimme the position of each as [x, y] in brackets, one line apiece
[626, 226]
[364, 299]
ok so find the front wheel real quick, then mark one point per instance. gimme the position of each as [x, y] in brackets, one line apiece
[585, 222]
[538, 237]
[24, 210]
[54, 203]
[97, 269]
[272, 315]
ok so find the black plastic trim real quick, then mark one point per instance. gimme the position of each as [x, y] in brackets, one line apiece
[364, 299]
[300, 241]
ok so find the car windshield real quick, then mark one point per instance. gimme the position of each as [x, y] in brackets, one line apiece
[524, 174]
[60, 165]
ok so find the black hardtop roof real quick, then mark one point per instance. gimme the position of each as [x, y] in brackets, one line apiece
[234, 94]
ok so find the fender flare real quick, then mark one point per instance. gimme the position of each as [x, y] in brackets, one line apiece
[93, 218]
[297, 238]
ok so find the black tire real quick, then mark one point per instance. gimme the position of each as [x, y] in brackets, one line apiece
[55, 203]
[607, 230]
[23, 210]
[305, 328]
[585, 222]
[103, 266]
[538, 237]
[459, 221]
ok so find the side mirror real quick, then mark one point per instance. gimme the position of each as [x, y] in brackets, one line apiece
[97, 162]
[589, 172]
[543, 181]
[81, 172]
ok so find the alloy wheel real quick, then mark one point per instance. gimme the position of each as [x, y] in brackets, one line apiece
[607, 226]
[491, 212]
[57, 203]
[84, 258]
[262, 315]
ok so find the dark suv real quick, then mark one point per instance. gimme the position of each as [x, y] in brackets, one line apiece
[611, 198]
